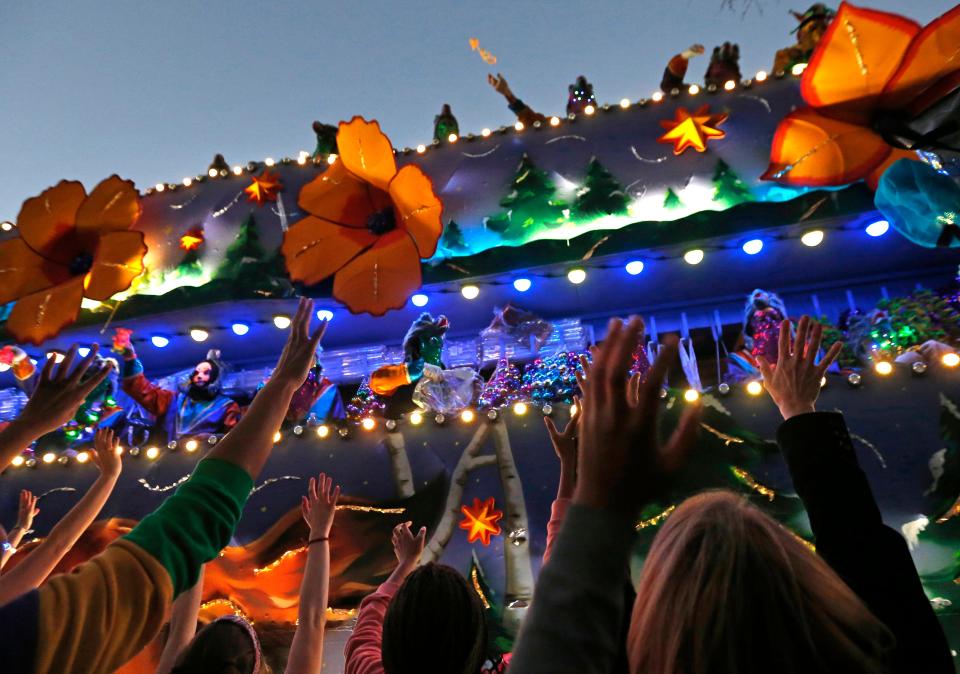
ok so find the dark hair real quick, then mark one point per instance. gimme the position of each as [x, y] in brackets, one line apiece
[222, 647]
[434, 624]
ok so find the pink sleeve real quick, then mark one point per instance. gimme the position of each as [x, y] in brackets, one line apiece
[557, 512]
[363, 647]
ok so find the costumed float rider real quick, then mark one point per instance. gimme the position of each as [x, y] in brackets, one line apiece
[445, 125]
[317, 399]
[421, 378]
[762, 316]
[525, 114]
[676, 69]
[813, 24]
[196, 408]
[724, 65]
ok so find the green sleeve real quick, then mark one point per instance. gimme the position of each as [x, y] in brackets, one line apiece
[191, 527]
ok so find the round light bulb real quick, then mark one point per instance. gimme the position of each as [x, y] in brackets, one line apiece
[634, 267]
[576, 276]
[691, 395]
[240, 329]
[277, 437]
[18, 461]
[419, 300]
[302, 159]
[883, 368]
[694, 89]
[657, 96]
[485, 132]
[281, 321]
[83, 457]
[323, 431]
[812, 238]
[452, 138]
[753, 246]
[694, 256]
[49, 457]
[324, 315]
[368, 424]
[760, 76]
[269, 161]
[6, 225]
[554, 121]
[152, 453]
[878, 228]
[518, 126]
[730, 85]
[212, 172]
[159, 187]
[331, 159]
[467, 416]
[159, 341]
[237, 170]
[522, 285]
[589, 110]
[199, 334]
[191, 445]
[624, 103]
[950, 359]
[470, 292]
[754, 388]
[421, 148]
[416, 418]
[520, 408]
[797, 69]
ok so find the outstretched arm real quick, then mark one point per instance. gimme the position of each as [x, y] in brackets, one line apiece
[55, 400]
[41, 561]
[183, 625]
[249, 443]
[25, 514]
[869, 556]
[318, 508]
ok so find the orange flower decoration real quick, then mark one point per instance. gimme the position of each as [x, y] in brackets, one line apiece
[71, 246]
[867, 66]
[369, 224]
[480, 521]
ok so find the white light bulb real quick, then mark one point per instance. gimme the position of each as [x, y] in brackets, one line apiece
[419, 300]
[634, 267]
[693, 257]
[812, 238]
[522, 285]
[470, 292]
[199, 334]
[753, 246]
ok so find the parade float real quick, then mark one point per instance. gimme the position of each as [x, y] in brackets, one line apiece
[462, 279]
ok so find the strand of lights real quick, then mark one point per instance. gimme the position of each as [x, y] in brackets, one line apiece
[304, 159]
[748, 479]
[475, 579]
[162, 489]
[656, 519]
[231, 607]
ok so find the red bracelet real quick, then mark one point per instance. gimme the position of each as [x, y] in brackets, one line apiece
[318, 539]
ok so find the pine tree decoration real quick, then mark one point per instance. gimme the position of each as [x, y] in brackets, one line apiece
[531, 205]
[728, 189]
[505, 386]
[601, 193]
[498, 637]
[365, 403]
[190, 265]
[452, 239]
[671, 201]
[245, 255]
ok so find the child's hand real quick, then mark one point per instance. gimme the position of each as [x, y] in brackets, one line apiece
[107, 452]
[320, 505]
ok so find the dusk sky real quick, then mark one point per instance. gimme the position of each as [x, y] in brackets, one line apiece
[151, 90]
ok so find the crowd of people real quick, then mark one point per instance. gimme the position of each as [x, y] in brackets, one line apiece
[724, 589]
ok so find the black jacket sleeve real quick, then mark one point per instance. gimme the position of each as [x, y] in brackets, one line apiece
[870, 557]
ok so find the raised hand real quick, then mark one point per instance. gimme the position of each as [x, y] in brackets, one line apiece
[60, 392]
[794, 381]
[565, 441]
[499, 82]
[27, 510]
[622, 465]
[301, 348]
[107, 452]
[320, 505]
[408, 547]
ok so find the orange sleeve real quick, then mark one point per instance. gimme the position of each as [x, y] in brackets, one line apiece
[154, 399]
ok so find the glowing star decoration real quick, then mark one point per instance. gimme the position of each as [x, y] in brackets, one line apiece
[692, 130]
[480, 521]
[367, 224]
[875, 79]
[264, 188]
[71, 246]
[192, 239]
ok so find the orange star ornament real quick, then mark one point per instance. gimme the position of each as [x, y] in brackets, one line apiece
[869, 67]
[692, 130]
[480, 521]
[264, 188]
[369, 225]
[71, 246]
